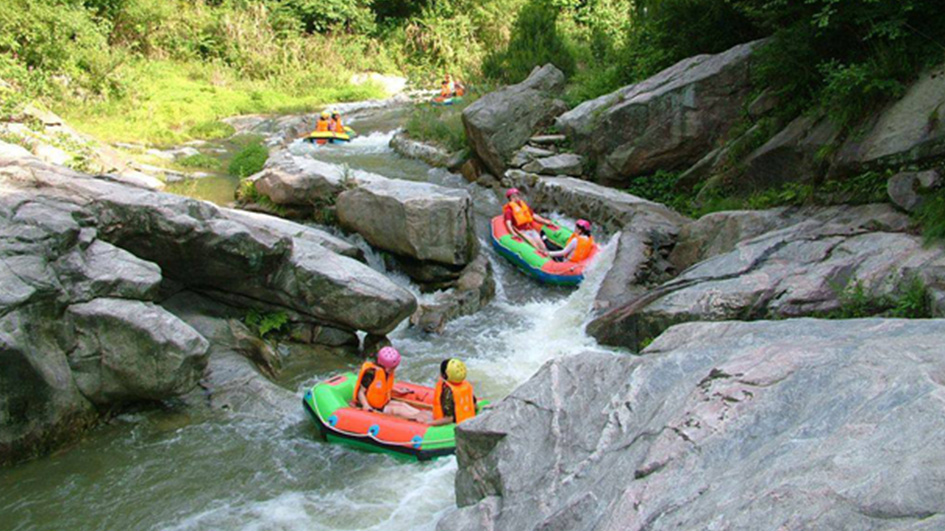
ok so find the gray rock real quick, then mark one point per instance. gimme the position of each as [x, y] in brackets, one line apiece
[666, 122]
[300, 183]
[135, 178]
[501, 122]
[418, 220]
[414, 149]
[297, 231]
[796, 154]
[910, 130]
[528, 154]
[630, 273]
[905, 187]
[547, 140]
[130, 350]
[567, 164]
[799, 270]
[795, 424]
[474, 289]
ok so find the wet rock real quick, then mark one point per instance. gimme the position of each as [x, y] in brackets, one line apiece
[796, 424]
[611, 209]
[564, 164]
[666, 122]
[905, 188]
[802, 269]
[130, 350]
[474, 289]
[633, 269]
[501, 122]
[417, 220]
[296, 231]
[414, 149]
[135, 178]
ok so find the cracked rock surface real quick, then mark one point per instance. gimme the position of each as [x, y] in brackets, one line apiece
[797, 424]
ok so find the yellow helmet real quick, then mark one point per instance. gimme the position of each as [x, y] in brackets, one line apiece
[334, 112]
[455, 371]
[326, 114]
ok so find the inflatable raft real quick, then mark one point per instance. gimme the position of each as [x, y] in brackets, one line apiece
[331, 137]
[328, 403]
[440, 100]
[527, 258]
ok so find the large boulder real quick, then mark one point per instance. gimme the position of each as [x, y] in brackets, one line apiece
[297, 181]
[798, 424]
[501, 122]
[795, 154]
[803, 269]
[910, 130]
[563, 164]
[421, 221]
[131, 350]
[201, 246]
[666, 122]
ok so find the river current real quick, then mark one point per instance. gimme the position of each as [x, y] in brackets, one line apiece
[172, 469]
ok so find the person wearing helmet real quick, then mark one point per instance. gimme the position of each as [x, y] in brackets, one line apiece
[580, 244]
[335, 124]
[521, 221]
[323, 126]
[375, 385]
[453, 398]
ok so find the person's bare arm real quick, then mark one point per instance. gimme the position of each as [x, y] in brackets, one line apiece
[362, 400]
[564, 252]
[442, 422]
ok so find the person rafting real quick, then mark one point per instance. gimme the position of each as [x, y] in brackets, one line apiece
[453, 398]
[323, 125]
[335, 123]
[580, 245]
[521, 220]
[375, 385]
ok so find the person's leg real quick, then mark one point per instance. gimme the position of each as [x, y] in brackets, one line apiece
[406, 411]
[534, 238]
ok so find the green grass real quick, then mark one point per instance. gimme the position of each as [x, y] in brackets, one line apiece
[200, 161]
[913, 301]
[174, 102]
[441, 125]
[248, 160]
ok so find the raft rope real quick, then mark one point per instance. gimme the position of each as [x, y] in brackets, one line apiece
[415, 444]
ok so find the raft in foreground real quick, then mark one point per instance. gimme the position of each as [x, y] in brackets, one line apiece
[527, 258]
[328, 405]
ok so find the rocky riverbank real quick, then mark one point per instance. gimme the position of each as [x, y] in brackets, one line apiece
[88, 264]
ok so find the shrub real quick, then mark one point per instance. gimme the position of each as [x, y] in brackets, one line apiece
[249, 160]
[211, 130]
[439, 125]
[266, 323]
[931, 216]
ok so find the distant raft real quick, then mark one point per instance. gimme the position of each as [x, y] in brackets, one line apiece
[527, 258]
[328, 403]
[440, 100]
[331, 137]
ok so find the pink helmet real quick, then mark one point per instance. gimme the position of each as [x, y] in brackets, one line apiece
[584, 224]
[388, 357]
[511, 191]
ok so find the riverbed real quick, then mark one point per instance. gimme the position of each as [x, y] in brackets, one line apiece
[174, 469]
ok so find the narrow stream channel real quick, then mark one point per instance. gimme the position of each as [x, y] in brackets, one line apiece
[171, 470]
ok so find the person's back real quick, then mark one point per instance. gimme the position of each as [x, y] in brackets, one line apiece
[453, 398]
[579, 246]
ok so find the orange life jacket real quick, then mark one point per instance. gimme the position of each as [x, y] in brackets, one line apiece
[464, 405]
[379, 392]
[337, 127]
[585, 244]
[321, 125]
[445, 91]
[521, 213]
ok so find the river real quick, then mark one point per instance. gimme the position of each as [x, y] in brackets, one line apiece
[172, 469]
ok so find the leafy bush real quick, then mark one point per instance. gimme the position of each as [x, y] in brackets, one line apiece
[931, 216]
[268, 323]
[211, 130]
[914, 301]
[249, 160]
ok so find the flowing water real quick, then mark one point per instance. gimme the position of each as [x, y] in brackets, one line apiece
[171, 470]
